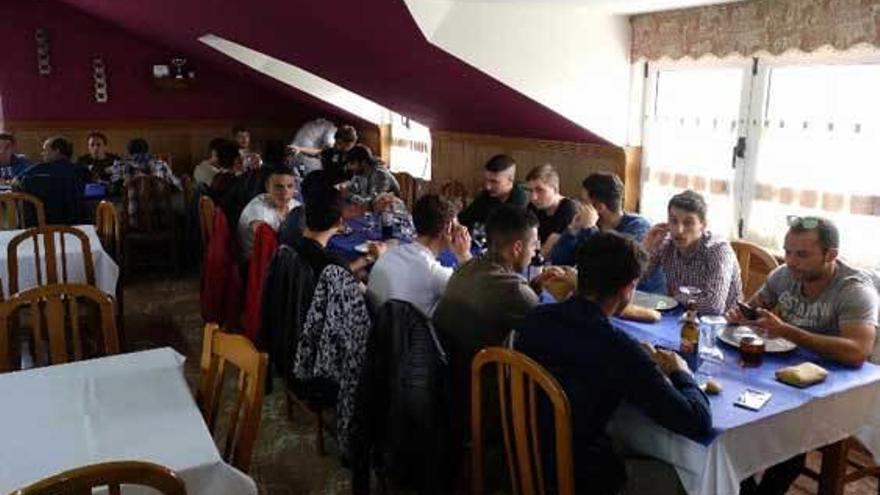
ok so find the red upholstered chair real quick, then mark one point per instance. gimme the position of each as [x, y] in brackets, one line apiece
[221, 278]
[265, 244]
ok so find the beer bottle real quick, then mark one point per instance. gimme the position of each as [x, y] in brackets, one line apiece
[690, 336]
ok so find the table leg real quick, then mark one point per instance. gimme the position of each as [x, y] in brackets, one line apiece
[831, 478]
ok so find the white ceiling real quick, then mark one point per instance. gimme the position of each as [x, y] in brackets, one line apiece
[625, 7]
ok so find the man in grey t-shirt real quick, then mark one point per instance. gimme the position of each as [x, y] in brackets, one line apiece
[819, 303]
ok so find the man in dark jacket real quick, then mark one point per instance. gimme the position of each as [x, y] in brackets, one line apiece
[500, 187]
[600, 366]
[57, 182]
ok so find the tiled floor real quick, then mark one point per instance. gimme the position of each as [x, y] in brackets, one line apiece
[160, 312]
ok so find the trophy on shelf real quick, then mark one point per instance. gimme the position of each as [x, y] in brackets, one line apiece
[178, 63]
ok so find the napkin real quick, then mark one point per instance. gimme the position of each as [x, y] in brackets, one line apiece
[640, 313]
[802, 375]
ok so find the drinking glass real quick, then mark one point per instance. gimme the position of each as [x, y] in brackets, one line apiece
[371, 220]
[479, 235]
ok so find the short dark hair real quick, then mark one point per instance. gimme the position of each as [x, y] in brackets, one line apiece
[691, 202]
[61, 145]
[227, 153]
[606, 188]
[829, 235]
[607, 262]
[7, 136]
[431, 214]
[280, 169]
[317, 182]
[97, 135]
[274, 152]
[360, 153]
[346, 134]
[508, 223]
[500, 163]
[324, 209]
[138, 146]
[239, 128]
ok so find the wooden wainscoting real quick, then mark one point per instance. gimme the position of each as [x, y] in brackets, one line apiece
[185, 140]
[462, 157]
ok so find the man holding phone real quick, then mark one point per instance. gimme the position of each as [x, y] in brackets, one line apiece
[821, 304]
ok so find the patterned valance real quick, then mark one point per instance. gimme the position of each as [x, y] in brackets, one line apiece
[756, 26]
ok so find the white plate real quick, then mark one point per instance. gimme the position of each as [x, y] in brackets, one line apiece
[654, 301]
[362, 248]
[731, 335]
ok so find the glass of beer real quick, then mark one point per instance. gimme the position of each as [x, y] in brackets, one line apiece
[751, 351]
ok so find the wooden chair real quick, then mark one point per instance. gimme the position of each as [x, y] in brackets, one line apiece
[55, 317]
[150, 221]
[82, 480]
[755, 263]
[21, 210]
[517, 377]
[46, 237]
[206, 219]
[218, 349]
[408, 189]
[108, 229]
[849, 460]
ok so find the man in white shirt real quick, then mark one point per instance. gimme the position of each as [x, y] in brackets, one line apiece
[411, 272]
[270, 207]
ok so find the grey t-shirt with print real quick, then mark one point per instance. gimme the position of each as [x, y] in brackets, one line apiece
[849, 298]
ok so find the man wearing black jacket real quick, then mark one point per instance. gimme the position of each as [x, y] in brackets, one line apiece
[600, 366]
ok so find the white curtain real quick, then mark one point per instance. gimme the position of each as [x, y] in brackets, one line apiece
[690, 134]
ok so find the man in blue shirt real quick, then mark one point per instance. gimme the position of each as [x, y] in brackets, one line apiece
[600, 366]
[9, 160]
[602, 195]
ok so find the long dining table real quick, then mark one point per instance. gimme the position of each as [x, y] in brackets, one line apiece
[133, 406]
[360, 230]
[106, 270]
[745, 442]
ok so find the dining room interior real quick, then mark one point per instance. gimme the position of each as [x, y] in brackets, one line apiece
[440, 247]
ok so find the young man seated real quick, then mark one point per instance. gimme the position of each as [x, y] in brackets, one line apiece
[98, 162]
[599, 367]
[11, 163]
[270, 207]
[554, 211]
[141, 162]
[411, 272]
[499, 187]
[370, 181]
[818, 302]
[56, 181]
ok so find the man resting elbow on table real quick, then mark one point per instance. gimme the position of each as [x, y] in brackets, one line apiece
[821, 304]
[600, 366]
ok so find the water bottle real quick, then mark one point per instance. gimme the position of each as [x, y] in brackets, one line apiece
[387, 221]
[536, 266]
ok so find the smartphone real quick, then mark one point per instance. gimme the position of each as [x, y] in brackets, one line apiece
[752, 399]
[749, 312]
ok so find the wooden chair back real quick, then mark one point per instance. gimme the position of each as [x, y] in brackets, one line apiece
[408, 189]
[108, 228]
[82, 480]
[218, 350]
[456, 192]
[755, 264]
[21, 210]
[54, 240]
[206, 219]
[55, 318]
[518, 378]
[148, 208]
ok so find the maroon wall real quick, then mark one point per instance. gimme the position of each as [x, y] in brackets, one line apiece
[67, 93]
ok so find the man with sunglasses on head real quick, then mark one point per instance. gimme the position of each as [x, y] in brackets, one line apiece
[821, 304]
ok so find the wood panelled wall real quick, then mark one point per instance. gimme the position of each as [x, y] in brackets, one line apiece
[185, 140]
[462, 157]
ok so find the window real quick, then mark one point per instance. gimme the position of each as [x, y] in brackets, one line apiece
[805, 131]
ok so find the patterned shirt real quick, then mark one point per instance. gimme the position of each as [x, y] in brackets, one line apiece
[711, 266]
[378, 180]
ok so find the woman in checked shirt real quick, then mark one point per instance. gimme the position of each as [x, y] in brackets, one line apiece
[690, 255]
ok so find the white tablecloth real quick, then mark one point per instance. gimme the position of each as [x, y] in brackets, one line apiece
[106, 270]
[126, 407]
